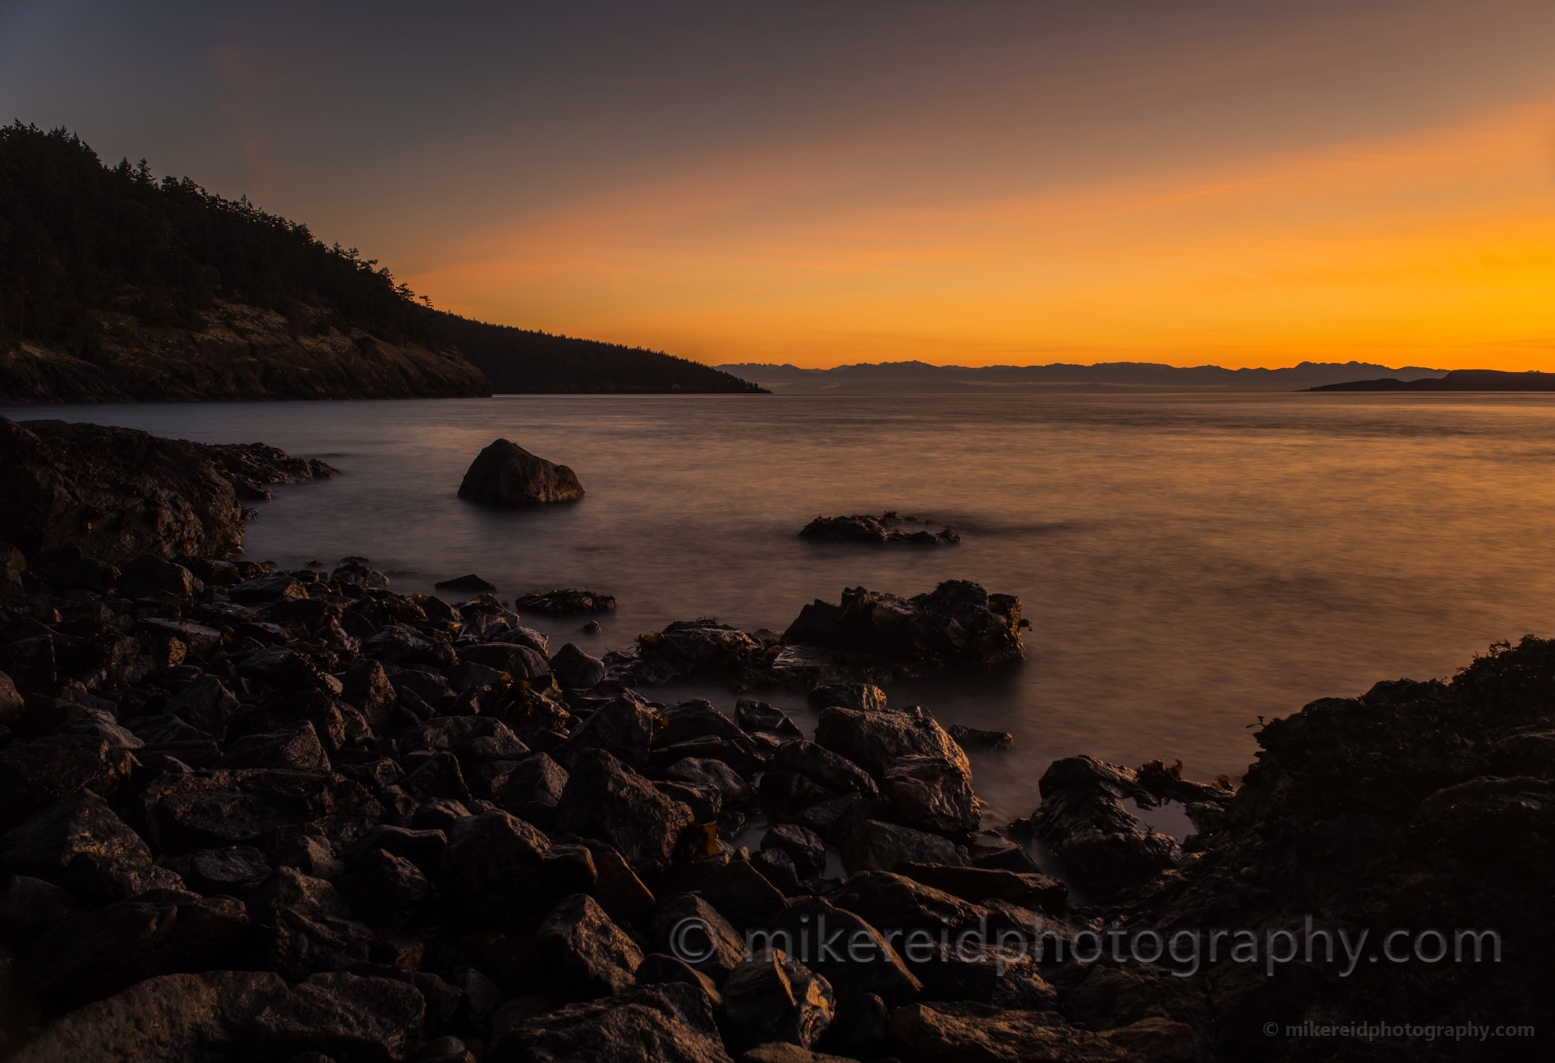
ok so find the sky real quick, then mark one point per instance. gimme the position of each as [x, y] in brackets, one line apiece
[1236, 182]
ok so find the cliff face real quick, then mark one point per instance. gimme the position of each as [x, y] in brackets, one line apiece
[241, 353]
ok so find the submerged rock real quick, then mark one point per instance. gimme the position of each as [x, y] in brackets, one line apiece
[505, 474]
[956, 623]
[886, 528]
[1103, 848]
[565, 602]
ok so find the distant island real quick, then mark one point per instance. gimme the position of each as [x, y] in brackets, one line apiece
[1060, 377]
[1457, 380]
[116, 287]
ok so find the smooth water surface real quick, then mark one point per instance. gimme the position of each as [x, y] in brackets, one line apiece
[1188, 562]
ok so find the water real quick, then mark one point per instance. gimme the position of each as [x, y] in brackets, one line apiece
[1188, 562]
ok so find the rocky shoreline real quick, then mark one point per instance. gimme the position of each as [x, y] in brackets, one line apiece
[251, 814]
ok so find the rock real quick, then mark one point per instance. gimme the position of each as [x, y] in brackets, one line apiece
[778, 868]
[663, 1023]
[247, 806]
[11, 702]
[977, 884]
[529, 788]
[932, 793]
[575, 669]
[877, 531]
[743, 896]
[757, 717]
[350, 1018]
[773, 997]
[785, 795]
[367, 686]
[434, 776]
[958, 1032]
[688, 648]
[873, 740]
[234, 870]
[297, 747]
[972, 738]
[865, 697]
[705, 802]
[148, 574]
[587, 953]
[288, 671]
[505, 474]
[266, 589]
[835, 772]
[732, 789]
[853, 956]
[878, 846]
[205, 704]
[889, 900]
[689, 928]
[618, 890]
[424, 848]
[977, 970]
[507, 874]
[29, 906]
[694, 719]
[1103, 848]
[783, 1052]
[304, 925]
[80, 844]
[175, 1018]
[740, 753]
[658, 968]
[518, 660]
[37, 773]
[470, 583]
[383, 889]
[403, 645]
[565, 602]
[957, 623]
[312, 856]
[622, 727]
[994, 851]
[803, 846]
[473, 739]
[605, 799]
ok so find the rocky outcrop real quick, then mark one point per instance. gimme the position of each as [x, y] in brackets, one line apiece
[565, 602]
[505, 474]
[884, 529]
[956, 623]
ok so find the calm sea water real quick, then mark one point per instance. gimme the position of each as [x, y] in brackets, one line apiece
[1188, 563]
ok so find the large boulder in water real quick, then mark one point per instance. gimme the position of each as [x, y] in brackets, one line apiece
[956, 623]
[505, 474]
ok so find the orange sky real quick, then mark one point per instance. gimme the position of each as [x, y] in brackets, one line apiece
[1241, 182]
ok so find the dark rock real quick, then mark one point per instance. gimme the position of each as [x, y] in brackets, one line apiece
[29, 906]
[575, 669]
[658, 968]
[618, 889]
[383, 889]
[837, 773]
[896, 901]
[694, 719]
[743, 896]
[297, 747]
[266, 589]
[434, 775]
[732, 788]
[592, 628]
[470, 583]
[11, 702]
[873, 965]
[80, 844]
[148, 574]
[779, 869]
[313, 857]
[248, 806]
[350, 1018]
[288, 671]
[507, 874]
[803, 846]
[622, 727]
[689, 648]
[205, 704]
[467, 675]
[234, 870]
[873, 740]
[663, 1023]
[305, 926]
[705, 802]
[974, 970]
[932, 793]
[757, 717]
[403, 645]
[865, 697]
[605, 799]
[785, 795]
[739, 753]
[956, 1032]
[367, 686]
[37, 773]
[424, 848]
[529, 788]
[473, 739]
[957, 623]
[175, 1018]
[587, 953]
[505, 474]
[773, 997]
[978, 884]
[439, 813]
[876, 531]
[784, 1052]
[972, 738]
[1101, 845]
[689, 927]
[512, 658]
[565, 602]
[878, 846]
[992, 850]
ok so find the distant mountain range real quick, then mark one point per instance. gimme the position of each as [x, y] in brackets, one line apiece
[908, 377]
[1457, 380]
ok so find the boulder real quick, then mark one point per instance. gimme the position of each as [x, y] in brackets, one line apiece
[346, 1017]
[972, 738]
[424, 848]
[175, 1018]
[79, 843]
[517, 659]
[1103, 848]
[505, 474]
[605, 799]
[403, 645]
[528, 788]
[803, 846]
[367, 686]
[304, 925]
[658, 968]
[844, 948]
[977, 884]
[873, 740]
[575, 669]
[383, 889]
[784, 1052]
[505, 873]
[932, 793]
[149, 574]
[11, 702]
[205, 704]
[689, 928]
[733, 790]
[618, 890]
[248, 806]
[587, 954]
[565, 602]
[961, 1032]
[786, 795]
[296, 747]
[29, 906]
[470, 584]
[694, 719]
[979, 971]
[473, 739]
[773, 997]
[757, 717]
[688, 648]
[743, 896]
[835, 772]
[434, 776]
[875, 531]
[623, 727]
[266, 589]
[37, 773]
[956, 623]
[896, 901]
[779, 869]
[234, 870]
[878, 846]
[865, 697]
[662, 1023]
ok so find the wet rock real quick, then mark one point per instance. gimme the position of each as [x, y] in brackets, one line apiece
[957, 623]
[705, 802]
[972, 738]
[175, 1018]
[79, 843]
[849, 952]
[529, 788]
[837, 773]
[470, 584]
[889, 900]
[565, 602]
[977, 884]
[473, 739]
[689, 927]
[1082, 819]
[875, 531]
[757, 717]
[37, 773]
[575, 669]
[865, 697]
[605, 799]
[266, 589]
[664, 1023]
[234, 870]
[992, 850]
[932, 793]
[957, 1032]
[873, 740]
[433, 776]
[507, 874]
[505, 474]
[148, 574]
[733, 790]
[589, 955]
[350, 1018]
[773, 997]
[785, 795]
[248, 806]
[297, 747]
[694, 647]
[622, 727]
[304, 925]
[658, 968]
[312, 856]
[778, 868]
[743, 896]
[803, 846]
[383, 889]
[783, 1052]
[515, 659]
[618, 889]
[205, 704]
[977, 970]
[739, 753]
[367, 686]
[878, 846]
[288, 671]
[694, 719]
[403, 645]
